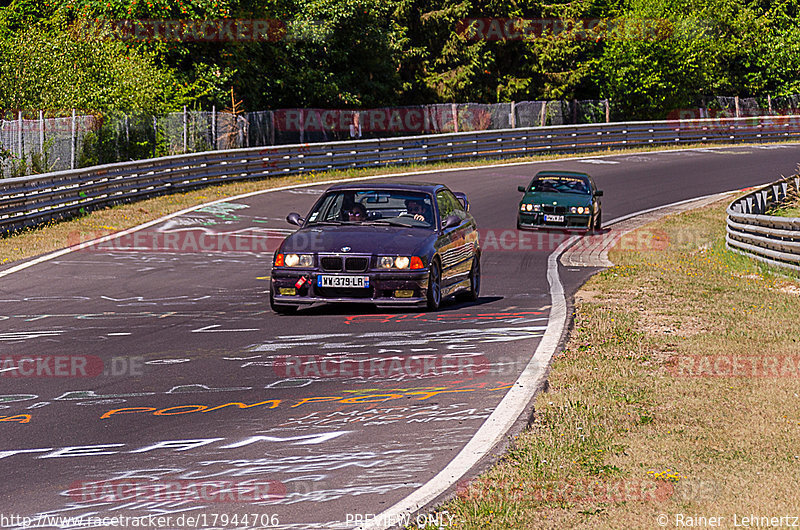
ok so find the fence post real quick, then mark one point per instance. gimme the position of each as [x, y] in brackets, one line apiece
[512, 117]
[426, 117]
[19, 133]
[454, 110]
[41, 132]
[608, 112]
[736, 104]
[769, 104]
[271, 128]
[127, 137]
[72, 143]
[302, 125]
[185, 131]
[155, 134]
[543, 116]
[214, 127]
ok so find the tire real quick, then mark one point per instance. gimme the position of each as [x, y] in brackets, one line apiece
[281, 309]
[474, 282]
[434, 286]
[598, 223]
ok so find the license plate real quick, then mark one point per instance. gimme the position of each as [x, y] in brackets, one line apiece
[554, 218]
[328, 280]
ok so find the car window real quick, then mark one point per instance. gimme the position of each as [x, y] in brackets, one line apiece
[449, 204]
[376, 206]
[561, 184]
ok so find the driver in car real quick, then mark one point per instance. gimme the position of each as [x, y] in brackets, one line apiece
[418, 210]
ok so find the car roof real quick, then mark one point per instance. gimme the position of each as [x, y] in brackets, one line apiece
[562, 174]
[424, 187]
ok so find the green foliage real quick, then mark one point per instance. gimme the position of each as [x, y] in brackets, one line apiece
[649, 56]
[49, 66]
[39, 162]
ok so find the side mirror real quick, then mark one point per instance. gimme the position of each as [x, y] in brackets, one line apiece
[451, 221]
[295, 219]
[521, 188]
[598, 193]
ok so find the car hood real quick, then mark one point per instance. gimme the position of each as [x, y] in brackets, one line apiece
[563, 199]
[362, 239]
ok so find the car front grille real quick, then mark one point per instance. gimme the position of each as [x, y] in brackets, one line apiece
[558, 210]
[333, 264]
[346, 264]
[358, 264]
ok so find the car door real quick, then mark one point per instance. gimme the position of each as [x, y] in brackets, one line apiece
[457, 244]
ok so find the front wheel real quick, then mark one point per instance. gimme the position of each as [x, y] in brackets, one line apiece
[434, 287]
[474, 281]
[598, 222]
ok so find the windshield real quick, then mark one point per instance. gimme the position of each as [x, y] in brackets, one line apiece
[561, 184]
[389, 207]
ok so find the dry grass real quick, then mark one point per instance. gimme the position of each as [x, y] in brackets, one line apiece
[622, 437]
[57, 235]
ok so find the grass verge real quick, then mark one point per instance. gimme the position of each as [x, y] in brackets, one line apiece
[675, 399]
[60, 234]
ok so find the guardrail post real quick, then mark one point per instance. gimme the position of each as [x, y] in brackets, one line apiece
[512, 118]
[736, 105]
[543, 114]
[454, 110]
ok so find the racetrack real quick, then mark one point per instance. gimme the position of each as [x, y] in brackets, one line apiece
[317, 418]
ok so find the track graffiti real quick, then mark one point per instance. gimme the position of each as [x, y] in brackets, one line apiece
[267, 404]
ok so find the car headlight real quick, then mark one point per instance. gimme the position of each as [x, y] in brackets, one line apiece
[579, 210]
[400, 262]
[537, 207]
[298, 260]
[526, 207]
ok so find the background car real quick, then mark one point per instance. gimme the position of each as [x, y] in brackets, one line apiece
[560, 199]
[389, 245]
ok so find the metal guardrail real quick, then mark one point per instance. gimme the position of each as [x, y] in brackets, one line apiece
[30, 201]
[771, 239]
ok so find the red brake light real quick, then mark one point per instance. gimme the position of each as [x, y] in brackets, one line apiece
[279, 260]
[416, 263]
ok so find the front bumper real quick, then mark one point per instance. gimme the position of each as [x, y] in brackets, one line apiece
[381, 290]
[571, 221]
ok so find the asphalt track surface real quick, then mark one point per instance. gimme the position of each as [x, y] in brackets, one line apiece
[184, 395]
